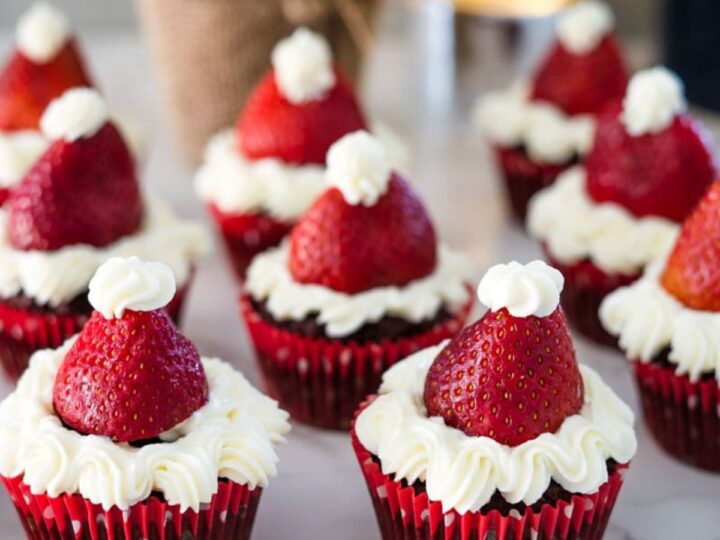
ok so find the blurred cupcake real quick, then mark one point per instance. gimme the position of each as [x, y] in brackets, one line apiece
[259, 178]
[498, 433]
[540, 128]
[361, 283]
[602, 223]
[668, 323]
[125, 432]
[78, 205]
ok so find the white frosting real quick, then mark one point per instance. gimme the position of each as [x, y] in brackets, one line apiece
[78, 113]
[19, 150]
[303, 66]
[54, 277]
[581, 27]
[463, 472]
[509, 119]
[524, 290]
[232, 436]
[654, 97]
[41, 32]
[574, 228]
[342, 314]
[129, 283]
[358, 165]
[648, 320]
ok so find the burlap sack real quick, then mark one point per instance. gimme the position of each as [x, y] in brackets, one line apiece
[210, 53]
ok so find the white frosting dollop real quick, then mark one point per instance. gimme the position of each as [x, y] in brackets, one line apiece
[41, 32]
[648, 320]
[232, 436]
[303, 66]
[342, 314]
[53, 277]
[19, 150]
[358, 165]
[654, 97]
[525, 290]
[580, 28]
[78, 113]
[129, 283]
[463, 472]
[574, 228]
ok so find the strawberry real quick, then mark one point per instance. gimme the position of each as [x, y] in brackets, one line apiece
[507, 378]
[692, 273]
[657, 174]
[26, 87]
[273, 127]
[584, 83]
[130, 378]
[353, 248]
[80, 192]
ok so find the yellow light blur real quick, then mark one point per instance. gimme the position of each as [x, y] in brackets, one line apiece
[511, 8]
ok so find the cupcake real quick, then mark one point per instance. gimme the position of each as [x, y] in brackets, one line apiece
[498, 433]
[361, 282]
[539, 129]
[668, 323]
[77, 206]
[125, 432]
[602, 223]
[259, 178]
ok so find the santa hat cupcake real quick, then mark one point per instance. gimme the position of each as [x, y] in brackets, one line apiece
[540, 128]
[668, 324]
[361, 282]
[79, 204]
[126, 432]
[498, 433]
[259, 178]
[601, 224]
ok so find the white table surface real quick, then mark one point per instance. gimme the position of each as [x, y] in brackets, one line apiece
[319, 493]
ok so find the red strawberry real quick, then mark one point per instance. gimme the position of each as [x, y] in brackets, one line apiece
[582, 83]
[692, 274]
[507, 378]
[353, 248]
[272, 126]
[662, 174]
[26, 87]
[129, 379]
[80, 192]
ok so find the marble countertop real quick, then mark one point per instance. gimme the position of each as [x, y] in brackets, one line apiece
[319, 492]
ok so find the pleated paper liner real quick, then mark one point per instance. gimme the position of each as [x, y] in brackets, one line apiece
[321, 382]
[683, 416]
[246, 235]
[403, 514]
[524, 177]
[228, 516]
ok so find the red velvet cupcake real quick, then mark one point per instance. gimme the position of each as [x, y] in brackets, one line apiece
[601, 224]
[361, 283]
[498, 433]
[538, 130]
[668, 324]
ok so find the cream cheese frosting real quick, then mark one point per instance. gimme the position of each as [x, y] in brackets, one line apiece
[342, 314]
[574, 228]
[18, 152]
[78, 113]
[463, 472]
[232, 437]
[654, 98]
[648, 320]
[580, 28]
[41, 32]
[53, 277]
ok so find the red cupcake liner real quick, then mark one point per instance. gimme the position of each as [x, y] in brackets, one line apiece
[524, 177]
[321, 382]
[683, 416]
[246, 235]
[228, 516]
[586, 286]
[403, 514]
[22, 331]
